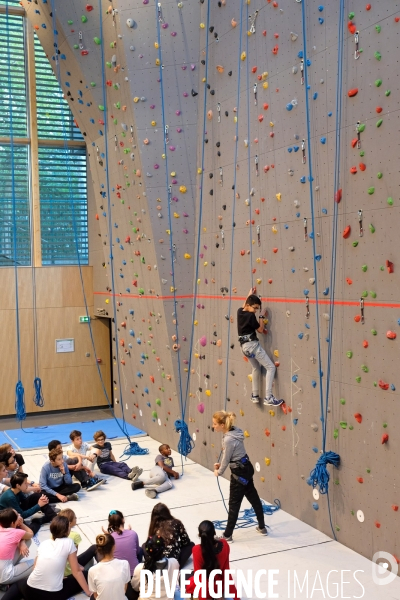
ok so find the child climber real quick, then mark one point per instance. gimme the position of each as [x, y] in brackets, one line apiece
[248, 325]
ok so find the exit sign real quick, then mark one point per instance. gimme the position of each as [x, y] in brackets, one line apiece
[84, 319]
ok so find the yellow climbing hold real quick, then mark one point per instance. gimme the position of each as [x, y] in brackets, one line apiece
[182, 189]
[186, 255]
[271, 123]
[176, 215]
[163, 156]
[259, 281]
[168, 231]
[258, 260]
[107, 301]
[265, 85]
[206, 263]
[156, 45]
[235, 119]
[202, 25]
[241, 413]
[195, 322]
[262, 479]
[158, 62]
[272, 413]
[198, 282]
[136, 99]
[208, 392]
[199, 170]
[264, 75]
[173, 174]
[276, 353]
[204, 80]
[279, 196]
[243, 56]
[249, 377]
[172, 289]
[246, 433]
[267, 461]
[153, 123]
[274, 229]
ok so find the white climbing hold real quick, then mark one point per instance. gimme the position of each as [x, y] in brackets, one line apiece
[296, 203]
[288, 313]
[114, 60]
[312, 280]
[326, 316]
[194, 436]
[131, 23]
[257, 467]
[293, 36]
[315, 494]
[360, 516]
[132, 48]
[247, 202]
[294, 70]
[305, 269]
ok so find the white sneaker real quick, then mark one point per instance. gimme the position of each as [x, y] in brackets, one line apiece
[255, 399]
[133, 475]
[272, 401]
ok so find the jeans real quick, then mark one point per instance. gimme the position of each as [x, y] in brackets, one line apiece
[260, 359]
[158, 480]
[118, 469]
[65, 490]
[237, 492]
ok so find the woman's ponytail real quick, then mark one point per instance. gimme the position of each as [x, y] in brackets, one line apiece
[207, 540]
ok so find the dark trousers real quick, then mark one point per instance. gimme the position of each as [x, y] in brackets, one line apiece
[80, 475]
[236, 494]
[22, 591]
[185, 553]
[65, 490]
[47, 510]
[118, 469]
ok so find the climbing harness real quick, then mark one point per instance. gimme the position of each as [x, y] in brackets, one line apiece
[252, 19]
[356, 41]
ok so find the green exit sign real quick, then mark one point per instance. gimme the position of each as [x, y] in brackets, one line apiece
[84, 319]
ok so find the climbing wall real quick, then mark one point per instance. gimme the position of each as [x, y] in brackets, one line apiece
[235, 145]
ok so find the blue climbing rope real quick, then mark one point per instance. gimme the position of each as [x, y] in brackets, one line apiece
[319, 476]
[248, 517]
[132, 448]
[249, 151]
[182, 401]
[185, 444]
[38, 397]
[20, 411]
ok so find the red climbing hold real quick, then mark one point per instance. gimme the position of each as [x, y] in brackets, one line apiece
[269, 280]
[279, 477]
[368, 7]
[385, 438]
[362, 166]
[275, 50]
[397, 19]
[365, 344]
[134, 282]
[351, 27]
[389, 266]
[274, 250]
[353, 170]
[357, 318]
[346, 232]
[383, 385]
[97, 217]
[267, 432]
[121, 343]
[89, 7]
[84, 52]
[349, 281]
[358, 417]
[395, 507]
[123, 324]
[265, 106]
[243, 252]
[378, 109]
[377, 524]
[254, 70]
[152, 378]
[391, 335]
[352, 93]
[284, 408]
[264, 32]
[122, 361]
[127, 239]
[360, 480]
[261, 118]
[338, 196]
[354, 142]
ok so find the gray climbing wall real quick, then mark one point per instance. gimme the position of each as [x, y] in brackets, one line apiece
[178, 67]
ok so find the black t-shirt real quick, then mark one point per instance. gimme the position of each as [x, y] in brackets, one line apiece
[105, 452]
[20, 459]
[247, 322]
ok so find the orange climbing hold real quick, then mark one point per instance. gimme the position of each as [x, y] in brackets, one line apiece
[377, 524]
[395, 507]
[353, 170]
[368, 7]
[254, 70]
[261, 118]
[351, 27]
[358, 417]
[267, 432]
[346, 232]
[279, 477]
[349, 281]
[338, 195]
[391, 335]
[360, 480]
[362, 166]
[354, 142]
[152, 378]
[275, 49]
[97, 217]
[385, 438]
[274, 250]
[389, 266]
[352, 93]
[378, 109]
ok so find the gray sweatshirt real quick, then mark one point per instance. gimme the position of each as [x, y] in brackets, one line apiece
[232, 447]
[51, 478]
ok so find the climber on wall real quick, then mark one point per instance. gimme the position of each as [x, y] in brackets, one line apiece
[242, 471]
[248, 325]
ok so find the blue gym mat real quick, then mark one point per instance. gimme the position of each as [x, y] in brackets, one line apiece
[39, 437]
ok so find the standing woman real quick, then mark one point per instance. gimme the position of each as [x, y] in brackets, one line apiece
[242, 471]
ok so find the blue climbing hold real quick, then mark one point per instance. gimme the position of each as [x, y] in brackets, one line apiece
[296, 148]
[315, 450]
[131, 312]
[320, 8]
[295, 378]
[306, 292]
[315, 95]
[297, 215]
[311, 235]
[307, 326]
[286, 226]
[295, 421]
[329, 114]
[300, 54]
[326, 291]
[320, 20]
[315, 506]
[314, 383]
[117, 240]
[392, 387]
[293, 270]
[289, 106]
[146, 390]
[323, 140]
[324, 211]
[132, 333]
[308, 62]
[290, 149]
[300, 335]
[139, 341]
[139, 374]
[148, 404]
[318, 257]
[302, 179]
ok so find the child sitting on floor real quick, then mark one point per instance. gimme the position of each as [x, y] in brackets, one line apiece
[85, 559]
[12, 468]
[80, 449]
[159, 476]
[88, 480]
[106, 460]
[56, 481]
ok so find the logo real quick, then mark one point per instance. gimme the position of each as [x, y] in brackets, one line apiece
[384, 568]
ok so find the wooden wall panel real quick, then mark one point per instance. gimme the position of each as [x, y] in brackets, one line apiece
[69, 380]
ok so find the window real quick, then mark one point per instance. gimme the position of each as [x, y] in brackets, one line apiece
[48, 138]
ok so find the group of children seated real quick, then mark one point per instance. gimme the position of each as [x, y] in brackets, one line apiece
[110, 568]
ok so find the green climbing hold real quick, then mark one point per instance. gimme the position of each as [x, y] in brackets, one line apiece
[136, 275]
[358, 379]
[355, 244]
[337, 528]
[371, 228]
[387, 93]
[142, 260]
[84, 19]
[378, 28]
[390, 201]
[374, 332]
[371, 190]
[101, 107]
[342, 401]
[382, 268]
[343, 424]
[361, 127]
[153, 351]
[116, 86]
[351, 427]
[336, 433]
[378, 82]
[150, 328]
[134, 229]
[364, 294]
[380, 175]
[362, 153]
[368, 470]
[163, 375]
[378, 55]
[375, 384]
[112, 45]
[115, 121]
[162, 389]
[384, 425]
[70, 22]
[379, 123]
[92, 83]
[352, 512]
[349, 354]
[364, 368]
[76, 46]
[108, 64]
[364, 268]
[351, 16]
[154, 414]
[97, 41]
[118, 105]
[372, 294]
[141, 291]
[158, 402]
